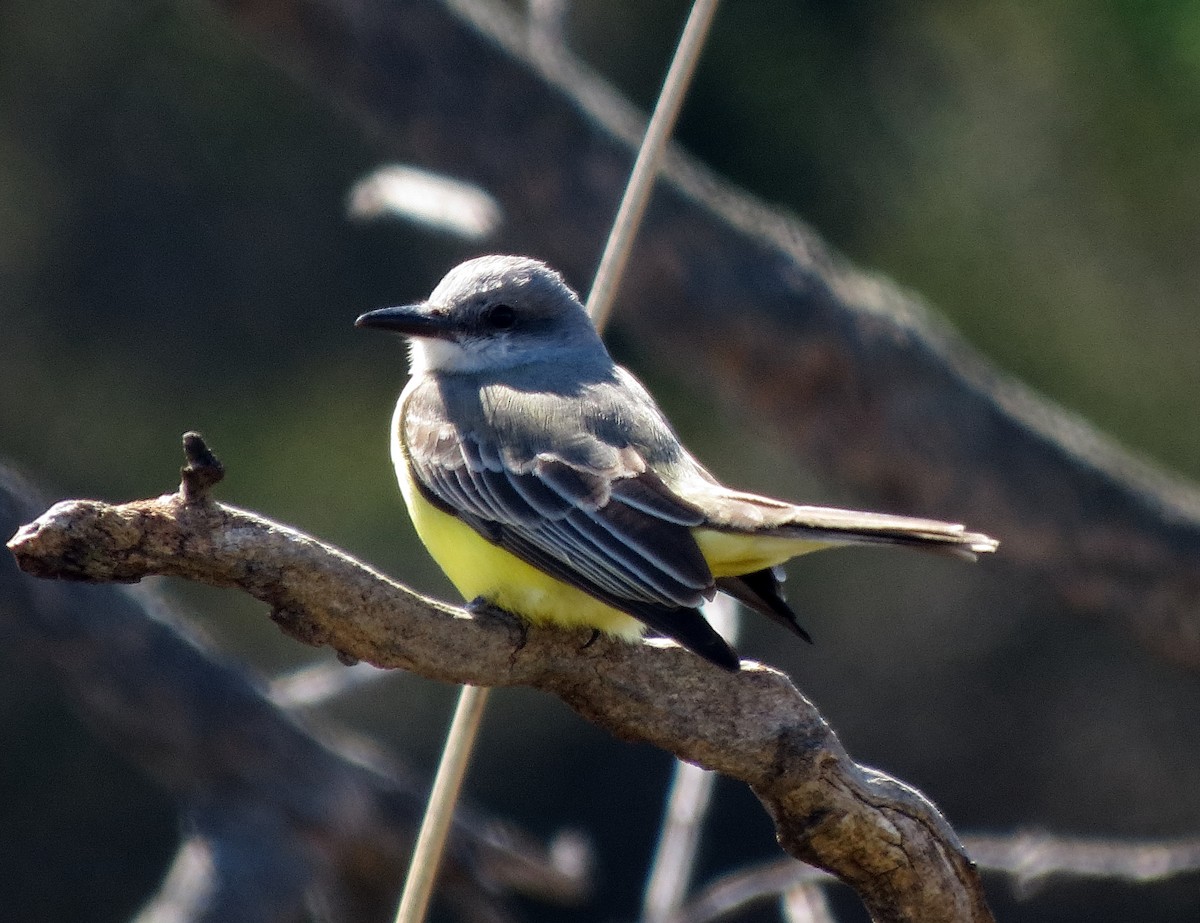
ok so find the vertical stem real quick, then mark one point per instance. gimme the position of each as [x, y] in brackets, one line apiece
[806, 903]
[675, 857]
[688, 800]
[645, 168]
[431, 840]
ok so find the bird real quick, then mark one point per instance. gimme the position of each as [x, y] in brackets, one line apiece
[544, 479]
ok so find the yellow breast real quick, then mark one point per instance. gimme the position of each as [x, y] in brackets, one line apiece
[477, 568]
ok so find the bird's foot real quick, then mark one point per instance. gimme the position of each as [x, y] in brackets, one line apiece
[520, 628]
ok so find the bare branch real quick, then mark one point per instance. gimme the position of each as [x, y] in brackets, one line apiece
[747, 886]
[878, 835]
[845, 370]
[1033, 857]
[1029, 858]
[806, 903]
[275, 819]
[688, 800]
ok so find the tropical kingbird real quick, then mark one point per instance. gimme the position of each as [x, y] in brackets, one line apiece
[544, 479]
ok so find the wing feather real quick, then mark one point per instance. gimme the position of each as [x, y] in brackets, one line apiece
[541, 500]
[641, 536]
[648, 493]
[609, 527]
[654, 572]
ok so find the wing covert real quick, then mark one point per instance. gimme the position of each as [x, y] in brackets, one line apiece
[616, 533]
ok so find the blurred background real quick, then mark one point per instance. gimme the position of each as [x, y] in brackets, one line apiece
[175, 254]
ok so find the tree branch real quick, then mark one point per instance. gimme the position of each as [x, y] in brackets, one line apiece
[878, 835]
[275, 820]
[844, 369]
[1029, 859]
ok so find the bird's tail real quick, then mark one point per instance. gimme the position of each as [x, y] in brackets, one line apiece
[762, 531]
[882, 528]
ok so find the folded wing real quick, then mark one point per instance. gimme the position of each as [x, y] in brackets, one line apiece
[610, 528]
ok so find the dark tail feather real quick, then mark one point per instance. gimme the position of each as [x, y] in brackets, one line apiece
[689, 628]
[762, 592]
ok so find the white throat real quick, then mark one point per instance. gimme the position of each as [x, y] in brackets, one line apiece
[433, 355]
[466, 356]
[429, 356]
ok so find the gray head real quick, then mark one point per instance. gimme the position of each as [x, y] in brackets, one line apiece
[492, 312]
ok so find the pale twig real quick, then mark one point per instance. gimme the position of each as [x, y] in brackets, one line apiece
[431, 840]
[645, 168]
[806, 903]
[1029, 858]
[427, 854]
[425, 198]
[691, 786]
[319, 683]
[747, 886]
[547, 22]
[688, 800]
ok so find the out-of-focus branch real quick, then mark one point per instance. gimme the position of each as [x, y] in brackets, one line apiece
[747, 886]
[688, 800]
[1030, 859]
[806, 903]
[275, 819]
[843, 368]
[881, 837]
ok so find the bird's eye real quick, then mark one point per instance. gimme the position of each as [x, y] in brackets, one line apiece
[500, 317]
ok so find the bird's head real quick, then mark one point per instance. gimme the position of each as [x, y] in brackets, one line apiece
[492, 312]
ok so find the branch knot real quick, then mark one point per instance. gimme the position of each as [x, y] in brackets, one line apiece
[202, 471]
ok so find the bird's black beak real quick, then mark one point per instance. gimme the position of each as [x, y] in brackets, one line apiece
[414, 320]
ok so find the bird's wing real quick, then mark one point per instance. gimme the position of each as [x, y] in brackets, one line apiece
[590, 514]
